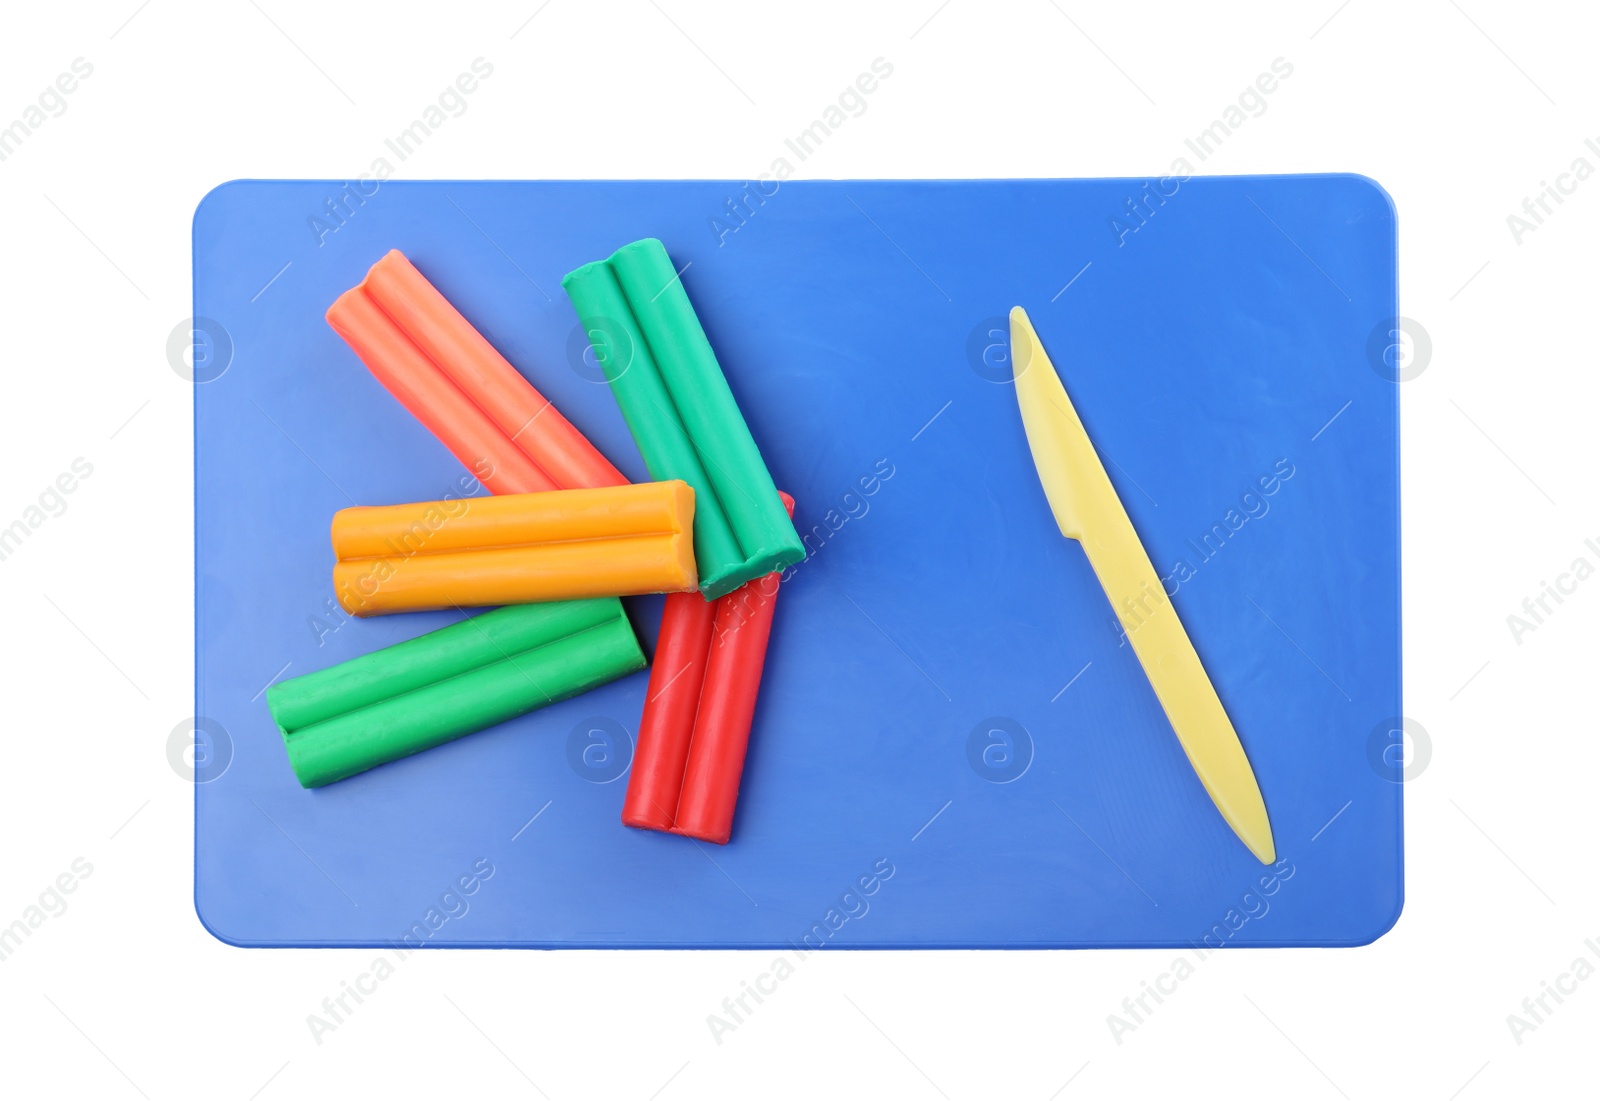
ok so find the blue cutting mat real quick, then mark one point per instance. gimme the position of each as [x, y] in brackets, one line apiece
[953, 747]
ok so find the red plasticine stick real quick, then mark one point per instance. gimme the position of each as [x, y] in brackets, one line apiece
[677, 676]
[695, 731]
[454, 381]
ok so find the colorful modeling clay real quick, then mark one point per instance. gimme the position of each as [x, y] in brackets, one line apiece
[682, 415]
[451, 379]
[698, 708]
[519, 548]
[459, 679]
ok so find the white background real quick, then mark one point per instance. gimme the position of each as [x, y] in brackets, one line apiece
[1461, 109]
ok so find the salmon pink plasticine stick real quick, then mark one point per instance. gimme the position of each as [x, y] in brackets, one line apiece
[701, 700]
[452, 380]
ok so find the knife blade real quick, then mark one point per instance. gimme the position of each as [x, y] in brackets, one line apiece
[1088, 510]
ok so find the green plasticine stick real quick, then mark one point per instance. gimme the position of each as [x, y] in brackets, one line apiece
[462, 678]
[682, 414]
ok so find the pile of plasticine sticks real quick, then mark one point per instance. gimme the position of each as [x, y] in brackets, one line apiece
[562, 538]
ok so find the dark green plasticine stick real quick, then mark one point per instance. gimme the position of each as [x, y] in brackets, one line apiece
[682, 415]
[462, 678]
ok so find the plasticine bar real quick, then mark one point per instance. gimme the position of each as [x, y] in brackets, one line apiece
[519, 548]
[454, 681]
[451, 379]
[677, 404]
[698, 708]
[672, 699]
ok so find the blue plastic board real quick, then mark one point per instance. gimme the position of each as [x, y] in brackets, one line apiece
[954, 746]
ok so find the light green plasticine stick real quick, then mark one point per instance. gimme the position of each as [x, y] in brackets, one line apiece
[462, 678]
[682, 414]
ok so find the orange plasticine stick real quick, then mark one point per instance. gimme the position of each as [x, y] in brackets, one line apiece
[520, 548]
[451, 379]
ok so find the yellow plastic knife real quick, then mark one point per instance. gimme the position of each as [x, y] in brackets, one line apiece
[1087, 509]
